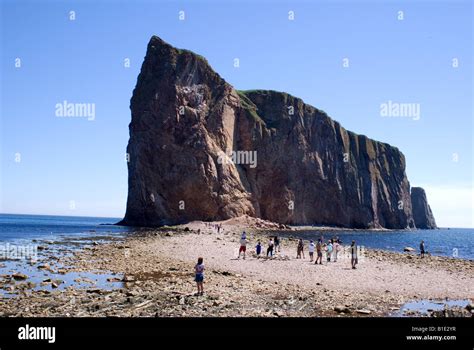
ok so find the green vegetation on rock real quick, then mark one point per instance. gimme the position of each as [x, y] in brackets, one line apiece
[183, 51]
[249, 106]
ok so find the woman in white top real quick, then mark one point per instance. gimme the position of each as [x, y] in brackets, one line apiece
[311, 250]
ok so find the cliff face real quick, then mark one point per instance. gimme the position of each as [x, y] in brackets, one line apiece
[422, 214]
[292, 163]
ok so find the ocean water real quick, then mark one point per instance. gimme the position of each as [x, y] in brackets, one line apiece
[27, 237]
[23, 229]
[454, 242]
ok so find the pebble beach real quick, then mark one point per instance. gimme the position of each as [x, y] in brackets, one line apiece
[153, 277]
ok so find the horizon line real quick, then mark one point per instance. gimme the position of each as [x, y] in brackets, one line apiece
[112, 217]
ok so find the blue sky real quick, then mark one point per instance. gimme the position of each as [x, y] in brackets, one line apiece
[73, 166]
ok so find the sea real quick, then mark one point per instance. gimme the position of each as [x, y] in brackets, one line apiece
[27, 229]
[23, 228]
[447, 242]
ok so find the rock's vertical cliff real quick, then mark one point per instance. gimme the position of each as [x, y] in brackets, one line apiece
[422, 214]
[292, 163]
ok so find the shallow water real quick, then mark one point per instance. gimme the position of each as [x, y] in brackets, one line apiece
[424, 307]
[87, 279]
[455, 242]
[27, 241]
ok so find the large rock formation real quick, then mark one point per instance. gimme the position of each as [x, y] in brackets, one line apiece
[293, 164]
[421, 210]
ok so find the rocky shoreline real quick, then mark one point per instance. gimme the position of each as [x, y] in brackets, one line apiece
[153, 276]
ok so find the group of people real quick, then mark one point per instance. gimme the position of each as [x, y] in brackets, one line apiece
[331, 248]
[273, 246]
[217, 227]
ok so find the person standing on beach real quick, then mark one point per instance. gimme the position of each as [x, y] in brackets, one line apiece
[199, 278]
[329, 251]
[277, 244]
[243, 244]
[335, 249]
[422, 249]
[258, 248]
[300, 249]
[311, 250]
[319, 252]
[354, 259]
[270, 248]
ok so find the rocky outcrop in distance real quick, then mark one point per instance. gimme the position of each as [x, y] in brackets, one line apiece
[201, 150]
[421, 210]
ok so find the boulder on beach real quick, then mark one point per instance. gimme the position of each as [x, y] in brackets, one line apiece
[19, 276]
[364, 311]
[342, 309]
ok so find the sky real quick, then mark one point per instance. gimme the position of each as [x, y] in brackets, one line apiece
[348, 58]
